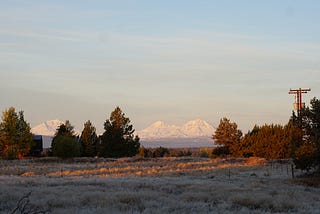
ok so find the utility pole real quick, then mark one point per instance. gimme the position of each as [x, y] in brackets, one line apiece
[299, 105]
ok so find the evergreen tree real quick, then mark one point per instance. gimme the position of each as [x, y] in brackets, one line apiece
[307, 150]
[65, 143]
[269, 141]
[89, 140]
[227, 135]
[118, 139]
[65, 129]
[66, 147]
[15, 136]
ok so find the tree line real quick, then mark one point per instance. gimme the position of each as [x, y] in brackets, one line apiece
[299, 139]
[117, 140]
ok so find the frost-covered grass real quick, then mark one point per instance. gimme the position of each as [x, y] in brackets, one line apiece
[166, 185]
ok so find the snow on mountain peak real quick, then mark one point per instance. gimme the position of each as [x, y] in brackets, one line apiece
[47, 128]
[197, 128]
[191, 129]
[159, 124]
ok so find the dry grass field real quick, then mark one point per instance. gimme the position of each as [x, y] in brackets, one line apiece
[166, 185]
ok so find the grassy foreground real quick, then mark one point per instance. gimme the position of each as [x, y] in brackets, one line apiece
[165, 185]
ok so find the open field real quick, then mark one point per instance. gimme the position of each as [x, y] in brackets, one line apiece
[166, 185]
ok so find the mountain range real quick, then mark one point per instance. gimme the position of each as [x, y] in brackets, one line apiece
[161, 130]
[157, 130]
[195, 133]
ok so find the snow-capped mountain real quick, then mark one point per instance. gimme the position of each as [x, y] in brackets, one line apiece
[197, 128]
[160, 129]
[191, 129]
[47, 128]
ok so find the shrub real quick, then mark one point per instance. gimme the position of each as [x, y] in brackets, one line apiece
[144, 153]
[180, 152]
[161, 152]
[305, 156]
[220, 151]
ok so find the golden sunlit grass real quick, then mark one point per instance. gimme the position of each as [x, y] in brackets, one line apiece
[125, 168]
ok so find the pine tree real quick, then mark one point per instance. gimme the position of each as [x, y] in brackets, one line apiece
[15, 136]
[89, 140]
[227, 135]
[65, 143]
[307, 151]
[118, 139]
[65, 129]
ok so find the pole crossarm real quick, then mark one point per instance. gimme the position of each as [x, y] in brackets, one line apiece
[300, 90]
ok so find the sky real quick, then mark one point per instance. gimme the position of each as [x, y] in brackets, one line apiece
[170, 60]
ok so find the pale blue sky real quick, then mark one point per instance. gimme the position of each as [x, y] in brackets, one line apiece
[158, 60]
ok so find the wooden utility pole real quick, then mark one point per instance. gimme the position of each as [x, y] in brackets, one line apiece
[299, 105]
